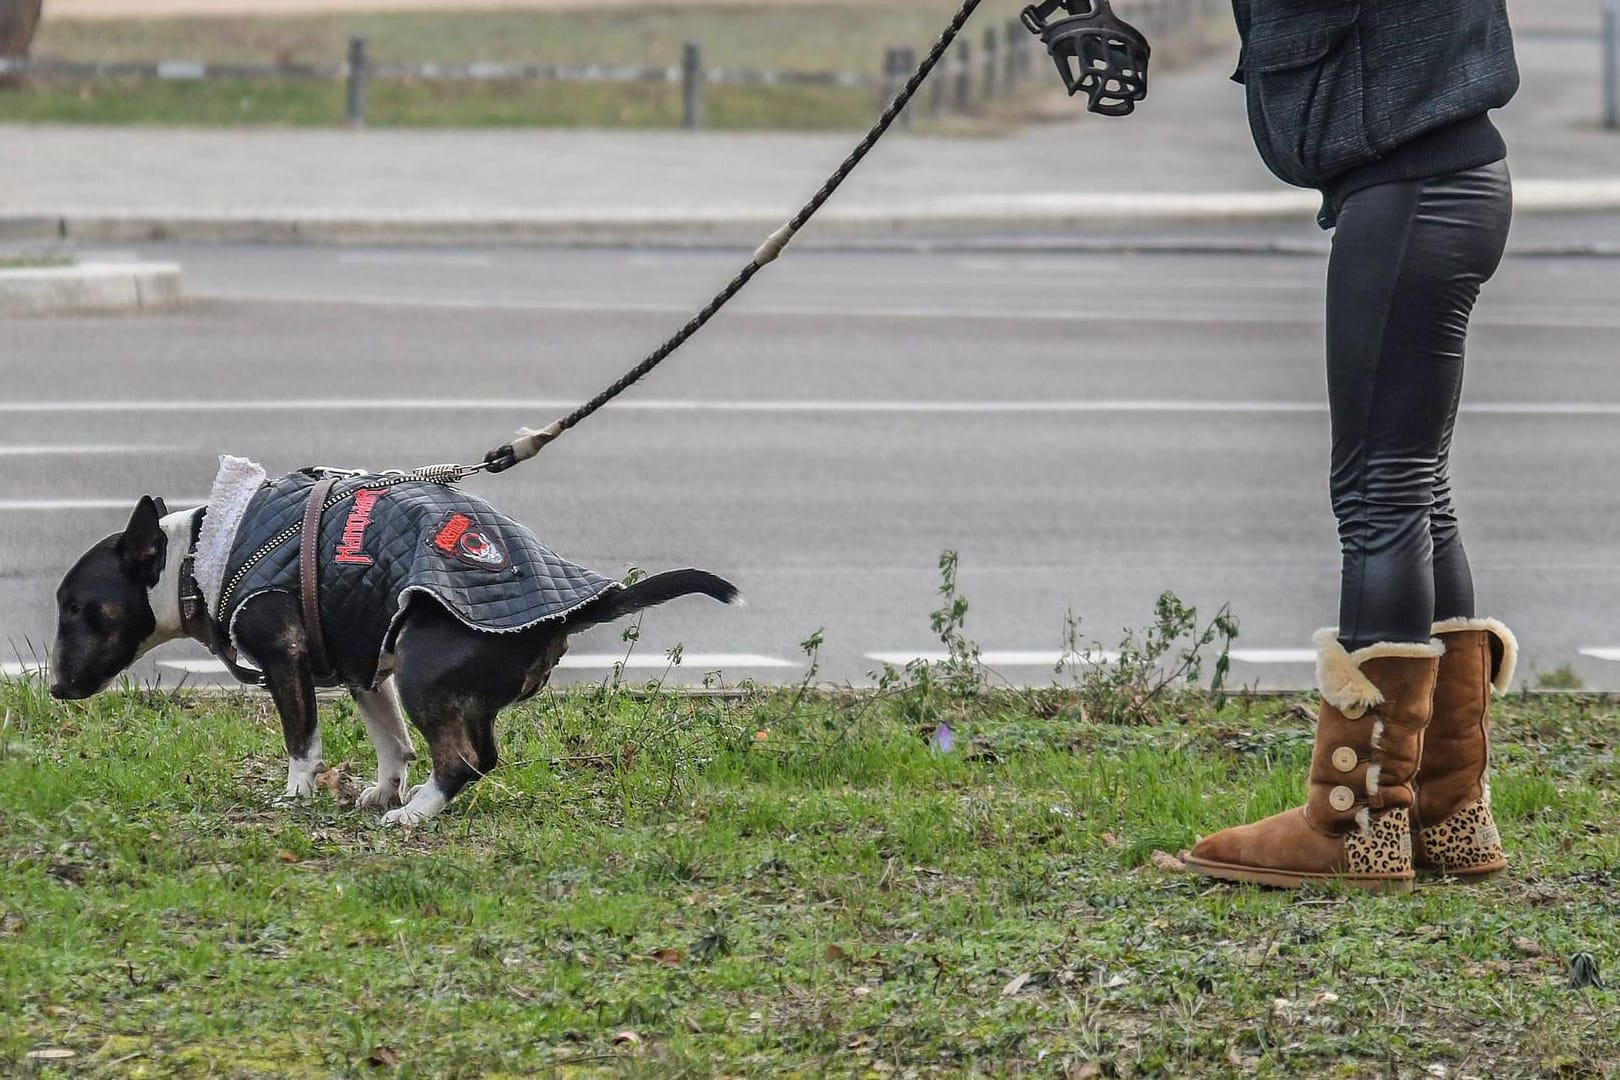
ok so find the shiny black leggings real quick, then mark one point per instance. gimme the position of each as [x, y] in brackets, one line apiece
[1408, 262]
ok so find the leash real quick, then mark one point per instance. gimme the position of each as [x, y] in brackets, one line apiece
[1094, 50]
[527, 442]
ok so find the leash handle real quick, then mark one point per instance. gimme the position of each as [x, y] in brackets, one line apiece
[528, 442]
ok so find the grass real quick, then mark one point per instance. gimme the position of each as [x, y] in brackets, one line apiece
[775, 884]
[809, 37]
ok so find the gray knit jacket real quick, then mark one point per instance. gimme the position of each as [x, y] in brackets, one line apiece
[1335, 85]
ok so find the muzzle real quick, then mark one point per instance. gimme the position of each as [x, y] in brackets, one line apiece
[1095, 51]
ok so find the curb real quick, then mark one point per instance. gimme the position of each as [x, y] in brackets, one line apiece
[924, 218]
[89, 287]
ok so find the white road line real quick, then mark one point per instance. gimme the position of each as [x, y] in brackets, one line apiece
[1274, 656]
[46, 450]
[999, 658]
[677, 405]
[1223, 315]
[17, 669]
[412, 258]
[1609, 653]
[196, 667]
[689, 662]
[122, 503]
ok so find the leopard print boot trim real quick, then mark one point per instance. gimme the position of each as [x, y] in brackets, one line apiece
[1465, 844]
[1385, 847]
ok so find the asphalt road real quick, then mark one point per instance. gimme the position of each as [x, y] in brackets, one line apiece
[1087, 430]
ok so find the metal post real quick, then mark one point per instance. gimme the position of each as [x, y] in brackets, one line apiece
[991, 65]
[964, 76]
[887, 88]
[357, 82]
[691, 86]
[936, 91]
[1611, 64]
[905, 62]
[1009, 37]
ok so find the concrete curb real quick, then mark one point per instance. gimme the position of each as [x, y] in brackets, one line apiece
[658, 225]
[89, 287]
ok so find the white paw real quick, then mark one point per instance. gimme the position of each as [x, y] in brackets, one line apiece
[299, 787]
[426, 800]
[383, 794]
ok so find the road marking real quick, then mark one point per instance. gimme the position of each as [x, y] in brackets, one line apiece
[704, 661]
[1274, 656]
[123, 503]
[44, 450]
[1000, 658]
[676, 405]
[1220, 315]
[196, 667]
[18, 669]
[413, 258]
[1609, 653]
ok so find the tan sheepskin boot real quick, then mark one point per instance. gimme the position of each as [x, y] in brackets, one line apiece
[1453, 831]
[1356, 824]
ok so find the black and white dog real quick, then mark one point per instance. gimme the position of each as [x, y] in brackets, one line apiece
[425, 596]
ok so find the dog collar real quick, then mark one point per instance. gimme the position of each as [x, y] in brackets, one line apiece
[197, 622]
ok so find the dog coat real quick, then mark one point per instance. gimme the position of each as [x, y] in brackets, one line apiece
[385, 538]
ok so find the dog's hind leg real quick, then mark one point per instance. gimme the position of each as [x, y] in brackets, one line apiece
[385, 725]
[453, 681]
[270, 630]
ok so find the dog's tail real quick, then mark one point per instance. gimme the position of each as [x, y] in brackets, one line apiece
[658, 589]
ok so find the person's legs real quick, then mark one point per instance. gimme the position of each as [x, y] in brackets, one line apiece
[1407, 264]
[1408, 261]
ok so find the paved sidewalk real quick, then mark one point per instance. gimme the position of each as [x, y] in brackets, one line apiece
[1186, 155]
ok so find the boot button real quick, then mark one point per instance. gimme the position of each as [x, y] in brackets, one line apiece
[1341, 799]
[1345, 759]
[1354, 711]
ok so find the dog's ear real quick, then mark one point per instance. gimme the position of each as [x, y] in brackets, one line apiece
[162, 507]
[143, 547]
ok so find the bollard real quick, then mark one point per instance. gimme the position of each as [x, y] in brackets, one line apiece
[691, 86]
[905, 62]
[991, 66]
[1611, 64]
[964, 76]
[1010, 33]
[357, 82]
[892, 78]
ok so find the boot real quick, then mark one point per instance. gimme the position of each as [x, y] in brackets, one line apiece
[1452, 828]
[1356, 825]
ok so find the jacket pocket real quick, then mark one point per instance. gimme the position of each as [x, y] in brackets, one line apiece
[1306, 97]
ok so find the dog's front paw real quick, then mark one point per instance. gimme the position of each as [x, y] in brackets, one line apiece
[426, 800]
[299, 787]
[384, 793]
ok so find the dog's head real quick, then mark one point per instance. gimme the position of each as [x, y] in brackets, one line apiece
[103, 609]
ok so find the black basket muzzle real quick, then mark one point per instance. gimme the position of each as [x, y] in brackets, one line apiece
[1096, 52]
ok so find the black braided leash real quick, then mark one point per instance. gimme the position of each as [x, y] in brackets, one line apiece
[528, 441]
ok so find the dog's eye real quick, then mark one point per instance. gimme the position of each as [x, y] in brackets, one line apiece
[74, 609]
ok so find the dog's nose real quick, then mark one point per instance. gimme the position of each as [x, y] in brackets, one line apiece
[59, 690]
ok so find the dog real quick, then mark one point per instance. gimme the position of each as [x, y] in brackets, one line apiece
[431, 601]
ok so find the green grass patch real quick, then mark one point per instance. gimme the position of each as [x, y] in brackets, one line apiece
[809, 38]
[770, 885]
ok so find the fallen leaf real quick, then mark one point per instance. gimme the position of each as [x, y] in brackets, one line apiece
[762, 734]
[1109, 840]
[53, 1053]
[1089, 1071]
[669, 957]
[1016, 985]
[1526, 947]
[627, 1038]
[835, 952]
[383, 1057]
[286, 856]
[1168, 862]
[1326, 997]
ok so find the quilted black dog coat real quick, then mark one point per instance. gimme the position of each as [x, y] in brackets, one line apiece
[385, 538]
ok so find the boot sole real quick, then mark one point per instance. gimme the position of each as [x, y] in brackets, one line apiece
[1469, 874]
[1281, 879]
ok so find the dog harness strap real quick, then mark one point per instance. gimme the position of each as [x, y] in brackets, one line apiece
[199, 625]
[309, 573]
